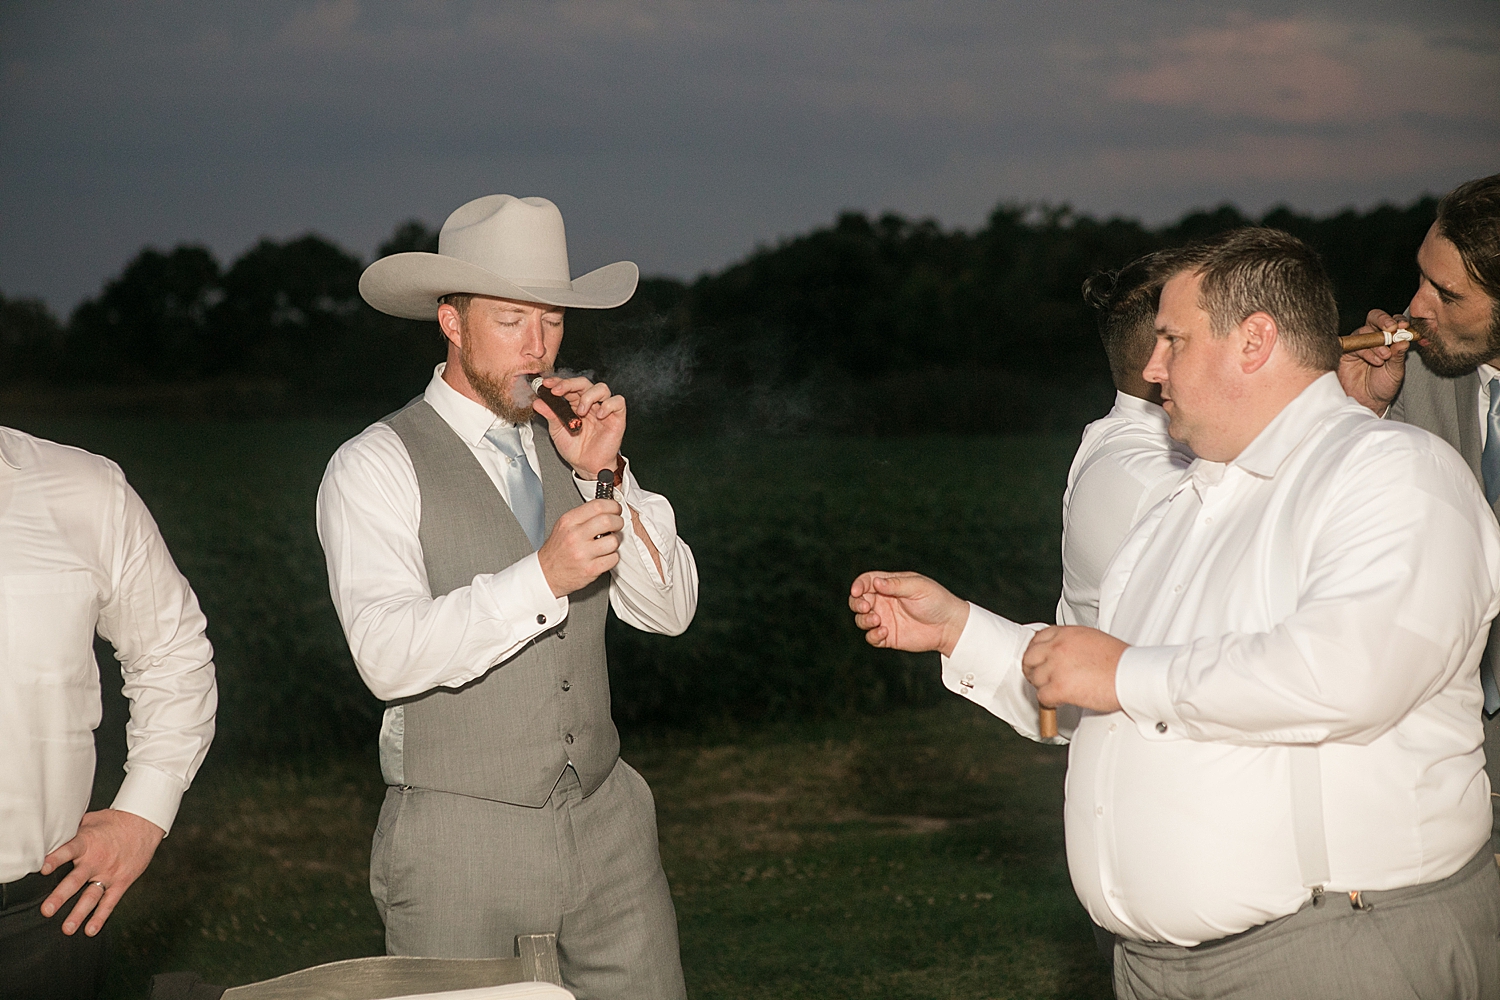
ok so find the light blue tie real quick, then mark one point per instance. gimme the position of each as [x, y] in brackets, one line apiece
[1489, 464]
[521, 483]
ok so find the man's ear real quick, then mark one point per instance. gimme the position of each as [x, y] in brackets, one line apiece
[1258, 337]
[452, 325]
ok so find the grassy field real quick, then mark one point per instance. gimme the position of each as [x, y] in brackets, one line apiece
[914, 855]
[833, 824]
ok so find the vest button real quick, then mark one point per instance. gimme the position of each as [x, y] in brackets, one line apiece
[568, 739]
[541, 619]
[567, 685]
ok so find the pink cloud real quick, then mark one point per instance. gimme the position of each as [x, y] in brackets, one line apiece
[1308, 72]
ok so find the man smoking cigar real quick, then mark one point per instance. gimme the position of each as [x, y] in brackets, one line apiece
[1448, 385]
[472, 570]
[1276, 786]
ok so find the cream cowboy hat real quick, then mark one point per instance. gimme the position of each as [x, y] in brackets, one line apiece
[511, 248]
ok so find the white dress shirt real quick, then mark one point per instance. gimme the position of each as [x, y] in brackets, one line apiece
[79, 552]
[405, 641]
[1330, 587]
[1125, 464]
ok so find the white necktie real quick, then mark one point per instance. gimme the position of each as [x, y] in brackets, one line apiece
[521, 483]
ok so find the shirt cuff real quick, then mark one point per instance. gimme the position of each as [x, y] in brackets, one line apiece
[986, 668]
[520, 593]
[150, 794]
[586, 487]
[1141, 687]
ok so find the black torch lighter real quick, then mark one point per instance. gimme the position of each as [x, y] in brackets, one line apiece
[606, 488]
[572, 421]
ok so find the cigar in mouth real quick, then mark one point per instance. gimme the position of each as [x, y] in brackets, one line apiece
[572, 421]
[1385, 338]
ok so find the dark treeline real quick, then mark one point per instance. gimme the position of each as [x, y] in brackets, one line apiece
[879, 325]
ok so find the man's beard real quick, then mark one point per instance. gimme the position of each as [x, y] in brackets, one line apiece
[1442, 361]
[498, 394]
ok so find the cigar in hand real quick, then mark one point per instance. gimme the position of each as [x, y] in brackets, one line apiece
[1047, 722]
[1380, 338]
[572, 421]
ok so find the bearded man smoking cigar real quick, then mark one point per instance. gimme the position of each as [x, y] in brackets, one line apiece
[1445, 382]
[472, 570]
[1276, 786]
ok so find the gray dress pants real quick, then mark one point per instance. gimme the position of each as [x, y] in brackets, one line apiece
[460, 877]
[1439, 941]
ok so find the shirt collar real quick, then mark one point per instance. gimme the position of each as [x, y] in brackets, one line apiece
[8, 449]
[1487, 372]
[1140, 411]
[1288, 428]
[469, 420]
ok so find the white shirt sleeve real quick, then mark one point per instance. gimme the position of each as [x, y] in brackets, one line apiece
[152, 618]
[405, 641]
[1395, 553]
[986, 669]
[663, 603]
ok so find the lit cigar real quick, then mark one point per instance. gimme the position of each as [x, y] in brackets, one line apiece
[572, 421]
[1360, 341]
[1047, 720]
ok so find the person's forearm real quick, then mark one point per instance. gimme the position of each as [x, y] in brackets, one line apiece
[664, 599]
[654, 587]
[985, 668]
[405, 643]
[158, 630]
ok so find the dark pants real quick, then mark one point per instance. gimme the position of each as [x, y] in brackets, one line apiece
[37, 960]
[1439, 941]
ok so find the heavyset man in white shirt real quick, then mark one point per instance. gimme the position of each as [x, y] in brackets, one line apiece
[472, 567]
[1276, 788]
[79, 552]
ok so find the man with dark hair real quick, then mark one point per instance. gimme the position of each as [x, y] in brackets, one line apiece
[1448, 386]
[1276, 787]
[1126, 461]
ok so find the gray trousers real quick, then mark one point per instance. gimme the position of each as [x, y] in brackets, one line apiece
[460, 877]
[1439, 941]
[1492, 768]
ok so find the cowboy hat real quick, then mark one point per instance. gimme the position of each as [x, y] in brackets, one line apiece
[511, 248]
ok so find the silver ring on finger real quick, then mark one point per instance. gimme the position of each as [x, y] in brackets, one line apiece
[101, 885]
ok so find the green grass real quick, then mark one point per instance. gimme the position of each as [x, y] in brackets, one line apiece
[915, 855]
[814, 794]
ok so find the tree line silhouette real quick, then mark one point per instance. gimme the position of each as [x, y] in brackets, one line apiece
[880, 324]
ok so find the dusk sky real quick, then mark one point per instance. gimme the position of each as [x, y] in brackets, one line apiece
[681, 135]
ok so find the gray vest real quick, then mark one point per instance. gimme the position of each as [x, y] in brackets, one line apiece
[507, 735]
